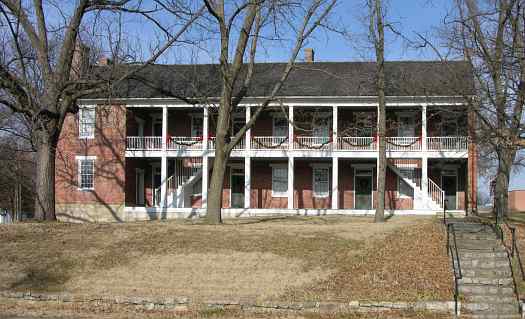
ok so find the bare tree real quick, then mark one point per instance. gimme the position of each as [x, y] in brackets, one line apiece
[42, 68]
[377, 37]
[490, 36]
[244, 23]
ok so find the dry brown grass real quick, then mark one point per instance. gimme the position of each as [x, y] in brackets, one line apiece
[293, 258]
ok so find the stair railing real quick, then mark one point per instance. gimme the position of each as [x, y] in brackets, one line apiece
[456, 264]
[436, 193]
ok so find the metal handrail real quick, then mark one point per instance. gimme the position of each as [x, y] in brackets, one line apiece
[458, 274]
[514, 249]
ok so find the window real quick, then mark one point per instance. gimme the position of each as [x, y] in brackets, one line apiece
[406, 126]
[279, 181]
[280, 126]
[404, 189]
[86, 122]
[86, 173]
[196, 126]
[321, 183]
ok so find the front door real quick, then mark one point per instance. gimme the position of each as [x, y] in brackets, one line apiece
[139, 184]
[237, 190]
[450, 188]
[363, 192]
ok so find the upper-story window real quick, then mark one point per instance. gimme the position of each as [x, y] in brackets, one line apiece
[86, 172]
[197, 126]
[86, 122]
[449, 125]
[280, 126]
[406, 125]
[321, 181]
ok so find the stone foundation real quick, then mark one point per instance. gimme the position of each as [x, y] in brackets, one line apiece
[90, 213]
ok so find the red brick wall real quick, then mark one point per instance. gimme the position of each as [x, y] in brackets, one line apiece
[261, 188]
[303, 188]
[108, 146]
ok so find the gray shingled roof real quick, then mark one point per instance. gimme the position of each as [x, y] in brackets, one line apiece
[408, 78]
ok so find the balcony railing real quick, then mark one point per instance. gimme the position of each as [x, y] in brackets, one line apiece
[269, 142]
[312, 143]
[344, 143]
[140, 143]
[212, 142]
[403, 144]
[184, 142]
[356, 143]
[447, 143]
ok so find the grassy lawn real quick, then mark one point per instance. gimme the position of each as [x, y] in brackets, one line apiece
[295, 259]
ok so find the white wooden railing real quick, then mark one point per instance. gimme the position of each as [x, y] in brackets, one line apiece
[312, 143]
[269, 142]
[348, 143]
[184, 142]
[344, 143]
[144, 143]
[403, 144]
[436, 193]
[447, 143]
[239, 146]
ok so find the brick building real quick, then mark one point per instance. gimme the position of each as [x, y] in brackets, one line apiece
[144, 154]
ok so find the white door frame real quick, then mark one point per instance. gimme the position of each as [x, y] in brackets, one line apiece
[154, 167]
[371, 175]
[232, 167]
[139, 191]
[442, 186]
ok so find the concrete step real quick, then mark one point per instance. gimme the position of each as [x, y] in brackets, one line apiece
[479, 272]
[485, 290]
[485, 264]
[487, 281]
[480, 254]
[492, 316]
[476, 235]
[511, 298]
[503, 308]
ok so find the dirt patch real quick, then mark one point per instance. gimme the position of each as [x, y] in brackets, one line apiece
[225, 275]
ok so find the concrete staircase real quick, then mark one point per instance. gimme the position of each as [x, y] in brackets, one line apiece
[486, 285]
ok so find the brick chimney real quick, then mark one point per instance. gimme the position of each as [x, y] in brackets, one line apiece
[104, 61]
[309, 55]
[80, 61]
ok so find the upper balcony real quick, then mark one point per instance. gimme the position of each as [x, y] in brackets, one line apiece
[347, 132]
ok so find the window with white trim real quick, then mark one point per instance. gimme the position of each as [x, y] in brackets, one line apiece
[279, 181]
[280, 126]
[197, 126]
[86, 122]
[321, 182]
[86, 173]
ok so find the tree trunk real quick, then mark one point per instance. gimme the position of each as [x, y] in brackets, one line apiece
[45, 178]
[381, 109]
[501, 198]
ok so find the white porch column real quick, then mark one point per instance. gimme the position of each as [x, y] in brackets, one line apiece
[335, 183]
[247, 181]
[424, 127]
[290, 127]
[290, 182]
[164, 160]
[334, 127]
[205, 125]
[204, 193]
[248, 134]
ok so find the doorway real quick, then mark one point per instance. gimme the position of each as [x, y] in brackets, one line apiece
[450, 184]
[139, 184]
[363, 189]
[237, 188]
